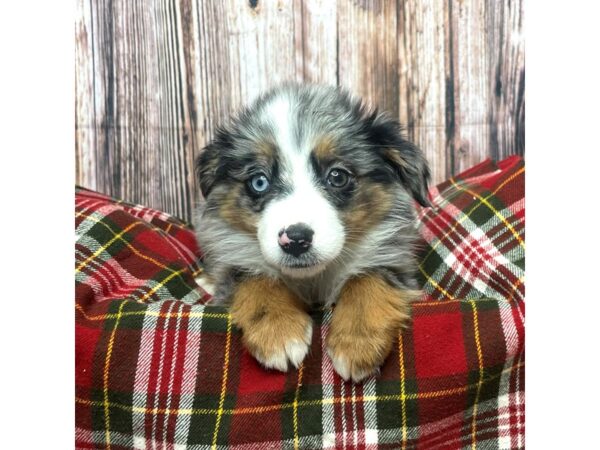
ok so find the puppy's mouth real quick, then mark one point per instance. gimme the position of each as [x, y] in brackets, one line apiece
[301, 268]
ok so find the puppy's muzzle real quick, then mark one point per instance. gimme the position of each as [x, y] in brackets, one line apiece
[296, 239]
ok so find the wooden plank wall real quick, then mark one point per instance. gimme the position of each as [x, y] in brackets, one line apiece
[154, 78]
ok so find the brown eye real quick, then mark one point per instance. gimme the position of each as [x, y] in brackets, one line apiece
[337, 178]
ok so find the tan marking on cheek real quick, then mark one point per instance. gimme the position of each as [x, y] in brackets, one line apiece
[238, 217]
[366, 321]
[368, 207]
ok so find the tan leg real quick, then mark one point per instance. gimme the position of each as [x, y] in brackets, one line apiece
[275, 326]
[365, 324]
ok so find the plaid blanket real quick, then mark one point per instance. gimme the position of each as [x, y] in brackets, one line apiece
[158, 367]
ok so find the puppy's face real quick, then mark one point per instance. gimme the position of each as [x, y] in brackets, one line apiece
[307, 172]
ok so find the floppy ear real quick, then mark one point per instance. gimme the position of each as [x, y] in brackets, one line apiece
[405, 158]
[206, 167]
[209, 165]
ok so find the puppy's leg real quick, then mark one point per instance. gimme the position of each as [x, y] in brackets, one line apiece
[275, 326]
[365, 324]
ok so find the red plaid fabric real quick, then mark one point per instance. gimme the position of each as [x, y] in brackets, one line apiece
[157, 367]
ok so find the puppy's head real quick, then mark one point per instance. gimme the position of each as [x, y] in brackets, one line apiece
[307, 171]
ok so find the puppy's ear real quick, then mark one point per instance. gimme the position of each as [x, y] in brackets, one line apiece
[207, 167]
[209, 163]
[405, 158]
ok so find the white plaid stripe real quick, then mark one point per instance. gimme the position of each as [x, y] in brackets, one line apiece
[92, 219]
[96, 268]
[358, 435]
[368, 434]
[99, 214]
[107, 278]
[435, 434]
[83, 436]
[85, 259]
[432, 235]
[328, 424]
[511, 213]
[430, 432]
[509, 435]
[190, 376]
[116, 438]
[370, 410]
[520, 402]
[142, 370]
[191, 298]
[121, 283]
[509, 327]
[447, 252]
[176, 351]
[161, 361]
[476, 244]
[95, 438]
[84, 204]
[146, 213]
[344, 432]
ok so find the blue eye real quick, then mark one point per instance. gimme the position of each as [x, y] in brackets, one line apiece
[259, 183]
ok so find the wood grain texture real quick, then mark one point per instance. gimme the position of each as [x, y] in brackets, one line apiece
[423, 55]
[85, 144]
[368, 51]
[317, 41]
[154, 79]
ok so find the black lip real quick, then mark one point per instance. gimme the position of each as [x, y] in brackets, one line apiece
[291, 264]
[301, 266]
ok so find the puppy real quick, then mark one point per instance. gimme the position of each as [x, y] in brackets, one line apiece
[309, 199]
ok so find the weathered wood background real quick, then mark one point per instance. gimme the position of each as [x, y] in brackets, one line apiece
[154, 78]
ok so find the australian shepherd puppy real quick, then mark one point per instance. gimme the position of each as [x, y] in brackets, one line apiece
[309, 199]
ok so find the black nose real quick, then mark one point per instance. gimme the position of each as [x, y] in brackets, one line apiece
[296, 239]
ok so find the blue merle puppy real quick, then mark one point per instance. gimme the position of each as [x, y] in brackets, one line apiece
[309, 198]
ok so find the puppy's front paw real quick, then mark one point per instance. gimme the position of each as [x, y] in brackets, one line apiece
[275, 326]
[355, 357]
[365, 324]
[274, 342]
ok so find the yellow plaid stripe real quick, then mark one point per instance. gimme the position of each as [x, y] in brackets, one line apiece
[160, 284]
[301, 403]
[106, 246]
[211, 315]
[151, 313]
[514, 288]
[120, 237]
[105, 378]
[492, 209]
[223, 384]
[464, 216]
[480, 381]
[402, 389]
[296, 396]
[436, 285]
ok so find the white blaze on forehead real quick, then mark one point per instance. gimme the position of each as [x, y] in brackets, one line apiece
[306, 202]
[279, 114]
